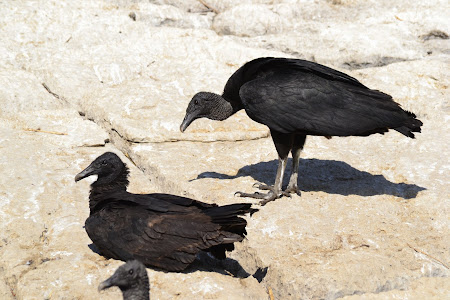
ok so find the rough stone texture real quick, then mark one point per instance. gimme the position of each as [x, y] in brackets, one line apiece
[249, 20]
[352, 35]
[79, 78]
[423, 288]
[44, 248]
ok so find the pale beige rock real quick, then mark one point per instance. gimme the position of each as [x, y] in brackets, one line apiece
[142, 115]
[187, 5]
[87, 274]
[372, 221]
[412, 83]
[22, 92]
[423, 288]
[142, 105]
[45, 251]
[225, 5]
[42, 218]
[377, 216]
[175, 13]
[248, 20]
[5, 292]
[350, 36]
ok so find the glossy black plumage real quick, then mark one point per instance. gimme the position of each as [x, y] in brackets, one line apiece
[161, 230]
[301, 97]
[296, 98]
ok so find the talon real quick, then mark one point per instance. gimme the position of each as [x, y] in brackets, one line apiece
[286, 194]
[265, 201]
[265, 187]
[292, 190]
[266, 197]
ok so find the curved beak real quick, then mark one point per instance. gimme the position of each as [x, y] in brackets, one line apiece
[85, 173]
[106, 284]
[187, 121]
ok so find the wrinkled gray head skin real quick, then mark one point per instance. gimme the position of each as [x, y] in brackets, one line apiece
[201, 106]
[132, 280]
[106, 165]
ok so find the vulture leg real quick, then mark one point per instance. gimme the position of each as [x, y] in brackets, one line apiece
[297, 147]
[275, 191]
[283, 144]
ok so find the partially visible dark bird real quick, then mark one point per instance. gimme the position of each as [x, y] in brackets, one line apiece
[296, 98]
[132, 280]
[160, 230]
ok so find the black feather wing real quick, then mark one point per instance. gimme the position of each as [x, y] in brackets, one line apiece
[170, 240]
[158, 202]
[179, 200]
[298, 101]
[266, 66]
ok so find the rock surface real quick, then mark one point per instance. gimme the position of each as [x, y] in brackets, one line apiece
[83, 77]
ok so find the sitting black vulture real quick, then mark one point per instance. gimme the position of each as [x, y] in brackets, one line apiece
[132, 280]
[160, 230]
[296, 98]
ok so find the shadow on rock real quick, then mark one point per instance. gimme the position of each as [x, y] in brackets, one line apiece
[207, 263]
[330, 176]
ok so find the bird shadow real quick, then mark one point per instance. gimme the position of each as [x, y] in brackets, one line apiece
[207, 263]
[330, 176]
[228, 266]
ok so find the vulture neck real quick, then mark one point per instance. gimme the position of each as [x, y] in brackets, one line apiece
[138, 291]
[222, 108]
[104, 185]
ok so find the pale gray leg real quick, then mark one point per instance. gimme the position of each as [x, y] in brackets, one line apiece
[297, 148]
[283, 144]
[275, 191]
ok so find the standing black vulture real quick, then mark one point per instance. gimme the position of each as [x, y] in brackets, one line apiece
[160, 230]
[296, 98]
[132, 280]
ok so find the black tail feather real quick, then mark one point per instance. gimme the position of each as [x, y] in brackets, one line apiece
[228, 217]
[410, 125]
[229, 211]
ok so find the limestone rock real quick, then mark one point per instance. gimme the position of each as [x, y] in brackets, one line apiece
[186, 5]
[22, 92]
[423, 288]
[354, 35]
[383, 239]
[248, 20]
[174, 15]
[43, 213]
[142, 113]
[225, 5]
[83, 77]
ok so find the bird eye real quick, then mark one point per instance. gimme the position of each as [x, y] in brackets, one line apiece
[131, 272]
[104, 162]
[196, 102]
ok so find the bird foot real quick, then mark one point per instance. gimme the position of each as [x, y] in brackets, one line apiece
[266, 187]
[263, 186]
[270, 196]
[293, 190]
[266, 198]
